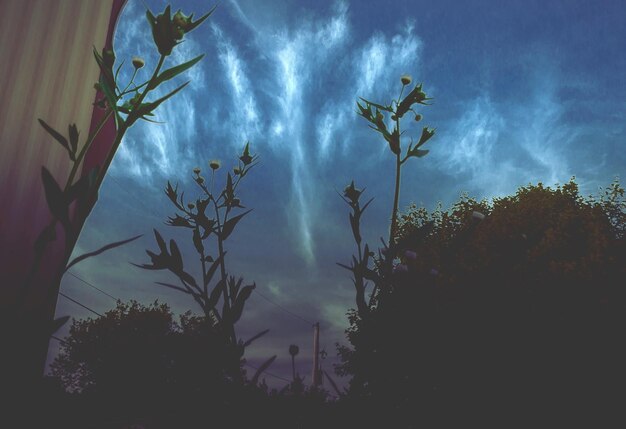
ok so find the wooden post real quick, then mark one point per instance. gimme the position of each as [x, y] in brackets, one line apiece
[316, 353]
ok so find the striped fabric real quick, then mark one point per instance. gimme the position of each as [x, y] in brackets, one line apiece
[47, 71]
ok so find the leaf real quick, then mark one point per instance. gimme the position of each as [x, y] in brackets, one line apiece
[211, 271]
[417, 153]
[199, 20]
[47, 235]
[147, 108]
[381, 107]
[57, 323]
[234, 287]
[73, 133]
[229, 226]
[426, 135]
[101, 250]
[160, 242]
[81, 188]
[262, 369]
[55, 198]
[177, 258]
[57, 136]
[240, 302]
[188, 278]
[256, 337]
[182, 289]
[197, 241]
[174, 71]
[215, 294]
[354, 223]
[172, 193]
[366, 204]
[345, 266]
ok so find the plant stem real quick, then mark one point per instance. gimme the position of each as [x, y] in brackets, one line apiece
[396, 197]
[220, 246]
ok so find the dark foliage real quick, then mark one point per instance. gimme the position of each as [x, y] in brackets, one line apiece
[513, 308]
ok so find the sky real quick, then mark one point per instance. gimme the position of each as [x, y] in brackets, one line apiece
[524, 92]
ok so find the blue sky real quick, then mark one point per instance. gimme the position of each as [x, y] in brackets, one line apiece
[523, 92]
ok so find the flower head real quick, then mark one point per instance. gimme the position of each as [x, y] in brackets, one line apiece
[197, 170]
[138, 62]
[191, 206]
[214, 164]
[405, 79]
[352, 193]
[245, 157]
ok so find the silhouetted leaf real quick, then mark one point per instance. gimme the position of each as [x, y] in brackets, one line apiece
[54, 197]
[234, 286]
[81, 188]
[200, 20]
[147, 108]
[172, 193]
[73, 133]
[47, 235]
[262, 369]
[240, 302]
[229, 226]
[175, 71]
[188, 278]
[179, 288]
[354, 223]
[101, 250]
[160, 242]
[256, 337]
[211, 271]
[197, 241]
[215, 294]
[57, 136]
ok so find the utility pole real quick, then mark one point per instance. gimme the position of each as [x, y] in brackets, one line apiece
[316, 352]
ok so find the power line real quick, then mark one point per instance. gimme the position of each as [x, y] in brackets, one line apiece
[283, 308]
[78, 303]
[92, 286]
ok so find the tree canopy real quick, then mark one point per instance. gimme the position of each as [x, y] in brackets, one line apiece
[515, 301]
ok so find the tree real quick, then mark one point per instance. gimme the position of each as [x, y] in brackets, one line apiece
[135, 357]
[518, 301]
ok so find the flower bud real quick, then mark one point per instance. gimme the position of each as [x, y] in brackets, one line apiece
[138, 62]
[200, 180]
[394, 117]
[191, 206]
[108, 57]
[236, 171]
[418, 117]
[214, 164]
[405, 79]
[196, 170]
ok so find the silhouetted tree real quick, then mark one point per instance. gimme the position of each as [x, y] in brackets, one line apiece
[515, 304]
[137, 357]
